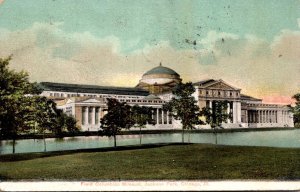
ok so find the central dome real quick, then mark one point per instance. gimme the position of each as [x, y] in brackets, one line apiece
[161, 70]
[159, 79]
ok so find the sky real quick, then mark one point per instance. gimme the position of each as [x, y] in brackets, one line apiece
[251, 44]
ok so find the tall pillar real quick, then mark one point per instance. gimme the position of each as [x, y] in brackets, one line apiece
[228, 112]
[86, 115]
[260, 116]
[83, 116]
[157, 116]
[99, 115]
[162, 117]
[239, 112]
[234, 112]
[167, 117]
[279, 118]
[93, 115]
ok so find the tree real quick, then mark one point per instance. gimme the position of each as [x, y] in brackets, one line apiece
[183, 106]
[21, 109]
[216, 115]
[15, 107]
[118, 117]
[141, 116]
[296, 110]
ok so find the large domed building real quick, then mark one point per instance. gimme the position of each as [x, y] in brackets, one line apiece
[88, 103]
[159, 80]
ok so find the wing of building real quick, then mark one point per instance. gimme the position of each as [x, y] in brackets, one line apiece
[87, 102]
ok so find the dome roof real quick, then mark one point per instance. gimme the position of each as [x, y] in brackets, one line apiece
[161, 70]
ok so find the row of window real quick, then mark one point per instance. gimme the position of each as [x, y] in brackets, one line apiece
[140, 101]
[90, 95]
[219, 93]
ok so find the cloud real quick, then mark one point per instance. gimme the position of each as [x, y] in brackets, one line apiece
[257, 66]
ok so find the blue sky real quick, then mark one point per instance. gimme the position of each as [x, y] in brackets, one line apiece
[242, 42]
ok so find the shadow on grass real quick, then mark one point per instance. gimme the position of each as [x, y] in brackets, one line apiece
[28, 156]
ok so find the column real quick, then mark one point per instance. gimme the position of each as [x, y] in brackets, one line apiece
[234, 112]
[157, 116]
[99, 115]
[260, 116]
[93, 115]
[228, 112]
[83, 116]
[86, 115]
[167, 117]
[239, 112]
[162, 116]
[279, 118]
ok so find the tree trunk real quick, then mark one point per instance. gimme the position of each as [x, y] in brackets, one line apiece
[45, 147]
[216, 138]
[115, 141]
[140, 136]
[182, 135]
[14, 147]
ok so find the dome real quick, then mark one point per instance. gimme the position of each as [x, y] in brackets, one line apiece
[160, 75]
[161, 70]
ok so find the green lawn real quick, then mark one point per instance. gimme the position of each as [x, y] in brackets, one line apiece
[194, 161]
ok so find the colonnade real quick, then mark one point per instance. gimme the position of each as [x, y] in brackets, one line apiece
[161, 116]
[91, 115]
[268, 116]
[234, 108]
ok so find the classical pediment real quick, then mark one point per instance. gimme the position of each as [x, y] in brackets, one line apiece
[220, 84]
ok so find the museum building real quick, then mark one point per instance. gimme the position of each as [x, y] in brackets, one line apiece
[87, 102]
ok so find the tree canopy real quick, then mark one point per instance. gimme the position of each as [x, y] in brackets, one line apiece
[118, 117]
[22, 109]
[183, 106]
[216, 115]
[15, 107]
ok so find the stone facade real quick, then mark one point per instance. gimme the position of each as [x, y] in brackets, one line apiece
[87, 103]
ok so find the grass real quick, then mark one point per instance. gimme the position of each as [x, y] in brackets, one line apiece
[192, 161]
